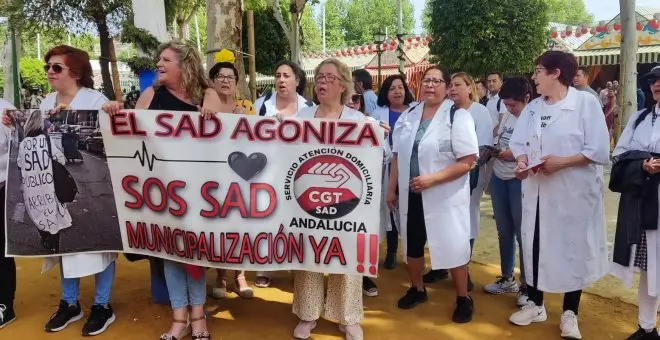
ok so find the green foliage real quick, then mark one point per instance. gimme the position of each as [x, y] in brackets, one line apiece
[32, 73]
[311, 31]
[138, 36]
[366, 17]
[570, 12]
[139, 64]
[270, 40]
[503, 35]
[335, 12]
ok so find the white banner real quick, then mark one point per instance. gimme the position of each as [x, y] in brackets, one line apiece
[247, 192]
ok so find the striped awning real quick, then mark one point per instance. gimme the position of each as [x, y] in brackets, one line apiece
[645, 55]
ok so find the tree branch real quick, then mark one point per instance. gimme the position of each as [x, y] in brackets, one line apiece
[194, 10]
[277, 12]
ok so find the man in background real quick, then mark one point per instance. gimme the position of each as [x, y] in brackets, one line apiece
[581, 81]
[364, 86]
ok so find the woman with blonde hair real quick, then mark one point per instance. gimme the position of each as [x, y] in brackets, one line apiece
[181, 86]
[343, 300]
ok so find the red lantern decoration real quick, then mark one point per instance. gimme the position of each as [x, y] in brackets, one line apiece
[409, 39]
[554, 34]
[617, 27]
[428, 38]
[593, 31]
[569, 33]
[653, 23]
[578, 34]
[393, 42]
[426, 42]
[584, 29]
[384, 47]
[599, 29]
[639, 27]
[418, 38]
[356, 50]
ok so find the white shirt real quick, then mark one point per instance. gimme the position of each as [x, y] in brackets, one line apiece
[483, 123]
[271, 104]
[505, 170]
[5, 138]
[492, 107]
[85, 99]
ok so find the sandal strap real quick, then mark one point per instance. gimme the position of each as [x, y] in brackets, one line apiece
[185, 322]
[201, 335]
[198, 319]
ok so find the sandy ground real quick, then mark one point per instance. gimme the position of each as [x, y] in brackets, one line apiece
[606, 311]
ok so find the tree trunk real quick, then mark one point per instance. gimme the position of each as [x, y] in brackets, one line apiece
[104, 37]
[7, 64]
[224, 30]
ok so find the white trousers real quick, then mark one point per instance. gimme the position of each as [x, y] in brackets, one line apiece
[648, 305]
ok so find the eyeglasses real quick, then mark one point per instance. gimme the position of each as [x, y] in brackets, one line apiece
[329, 78]
[57, 68]
[227, 79]
[432, 82]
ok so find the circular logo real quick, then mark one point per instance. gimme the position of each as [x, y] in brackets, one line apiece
[328, 186]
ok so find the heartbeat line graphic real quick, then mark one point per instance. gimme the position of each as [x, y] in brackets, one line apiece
[144, 157]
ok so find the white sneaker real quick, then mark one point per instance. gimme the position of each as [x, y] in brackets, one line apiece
[569, 326]
[528, 314]
[502, 285]
[523, 298]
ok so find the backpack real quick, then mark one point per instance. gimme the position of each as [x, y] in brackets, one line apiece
[474, 172]
[262, 109]
[642, 116]
[499, 105]
[65, 185]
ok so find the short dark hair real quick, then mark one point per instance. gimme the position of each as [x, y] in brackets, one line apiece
[445, 74]
[584, 70]
[565, 62]
[482, 82]
[499, 75]
[387, 84]
[77, 61]
[364, 77]
[301, 77]
[516, 88]
[215, 70]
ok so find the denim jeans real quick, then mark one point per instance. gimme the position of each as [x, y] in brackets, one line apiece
[184, 289]
[507, 206]
[102, 287]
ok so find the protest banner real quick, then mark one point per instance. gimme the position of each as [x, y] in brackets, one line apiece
[246, 192]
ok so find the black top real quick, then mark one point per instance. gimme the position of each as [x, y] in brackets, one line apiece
[165, 100]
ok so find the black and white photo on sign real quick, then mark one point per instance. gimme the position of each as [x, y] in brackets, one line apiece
[59, 193]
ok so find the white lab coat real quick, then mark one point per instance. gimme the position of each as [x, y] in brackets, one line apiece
[573, 239]
[484, 127]
[84, 264]
[646, 137]
[350, 114]
[271, 104]
[447, 205]
[382, 114]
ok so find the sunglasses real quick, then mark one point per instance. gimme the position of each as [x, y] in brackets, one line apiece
[57, 68]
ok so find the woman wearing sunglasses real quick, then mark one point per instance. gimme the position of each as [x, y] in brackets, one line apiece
[69, 72]
[433, 154]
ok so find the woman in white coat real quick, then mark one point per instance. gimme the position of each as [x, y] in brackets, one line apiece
[394, 98]
[463, 91]
[432, 157]
[70, 74]
[562, 134]
[642, 133]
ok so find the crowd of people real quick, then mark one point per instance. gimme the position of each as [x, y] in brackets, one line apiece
[541, 159]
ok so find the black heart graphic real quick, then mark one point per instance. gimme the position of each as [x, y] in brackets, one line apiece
[247, 166]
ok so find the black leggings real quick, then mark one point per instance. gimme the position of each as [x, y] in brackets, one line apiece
[7, 264]
[416, 234]
[571, 299]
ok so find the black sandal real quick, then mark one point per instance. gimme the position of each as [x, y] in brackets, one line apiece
[205, 335]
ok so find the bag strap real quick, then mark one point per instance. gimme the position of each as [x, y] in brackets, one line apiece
[641, 117]
[262, 109]
[499, 105]
[50, 151]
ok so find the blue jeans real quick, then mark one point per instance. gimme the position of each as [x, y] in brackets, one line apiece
[102, 287]
[184, 289]
[506, 196]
